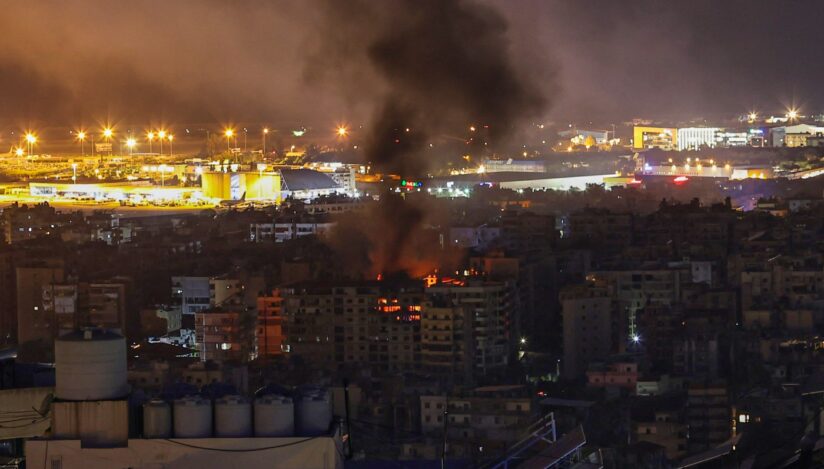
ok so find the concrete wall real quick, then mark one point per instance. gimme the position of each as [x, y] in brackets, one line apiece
[27, 422]
[95, 423]
[199, 453]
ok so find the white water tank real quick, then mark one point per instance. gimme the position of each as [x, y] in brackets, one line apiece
[157, 419]
[90, 365]
[313, 414]
[274, 416]
[193, 417]
[233, 417]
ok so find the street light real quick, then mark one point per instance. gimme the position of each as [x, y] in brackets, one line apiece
[19, 151]
[265, 132]
[171, 145]
[161, 134]
[74, 173]
[342, 131]
[752, 116]
[81, 137]
[792, 114]
[150, 136]
[130, 144]
[108, 133]
[31, 139]
[229, 133]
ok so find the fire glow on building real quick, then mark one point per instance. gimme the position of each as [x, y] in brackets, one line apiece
[403, 313]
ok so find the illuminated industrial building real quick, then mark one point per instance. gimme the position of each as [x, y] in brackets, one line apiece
[110, 191]
[793, 135]
[238, 185]
[695, 138]
[654, 137]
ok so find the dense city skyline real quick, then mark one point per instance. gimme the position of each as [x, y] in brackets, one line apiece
[415, 234]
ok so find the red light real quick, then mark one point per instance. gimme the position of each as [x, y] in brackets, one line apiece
[634, 181]
[680, 179]
[380, 277]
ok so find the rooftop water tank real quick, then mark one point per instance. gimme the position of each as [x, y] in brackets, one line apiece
[313, 413]
[274, 416]
[157, 419]
[233, 417]
[193, 417]
[90, 365]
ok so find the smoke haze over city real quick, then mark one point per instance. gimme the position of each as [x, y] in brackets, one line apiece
[668, 59]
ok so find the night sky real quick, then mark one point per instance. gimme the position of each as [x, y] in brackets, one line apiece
[220, 61]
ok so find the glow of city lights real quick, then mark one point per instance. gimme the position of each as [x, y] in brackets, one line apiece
[752, 116]
[792, 114]
[81, 135]
[108, 132]
[229, 133]
[342, 131]
[18, 152]
[31, 138]
[130, 142]
[150, 136]
[170, 137]
[266, 130]
[161, 134]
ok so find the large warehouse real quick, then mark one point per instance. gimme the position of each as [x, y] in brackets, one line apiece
[252, 185]
[278, 184]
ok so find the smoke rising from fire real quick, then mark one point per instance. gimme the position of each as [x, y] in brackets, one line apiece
[438, 66]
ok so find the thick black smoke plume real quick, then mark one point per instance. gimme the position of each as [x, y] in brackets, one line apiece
[440, 66]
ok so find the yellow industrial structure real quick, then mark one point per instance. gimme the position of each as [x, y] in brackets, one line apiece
[255, 185]
[654, 137]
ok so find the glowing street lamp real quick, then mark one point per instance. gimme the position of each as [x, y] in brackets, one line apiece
[74, 173]
[130, 144]
[752, 116]
[342, 131]
[19, 151]
[161, 135]
[81, 137]
[171, 144]
[229, 133]
[792, 114]
[31, 139]
[265, 132]
[108, 133]
[150, 136]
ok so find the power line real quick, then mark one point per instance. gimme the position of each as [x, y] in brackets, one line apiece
[251, 450]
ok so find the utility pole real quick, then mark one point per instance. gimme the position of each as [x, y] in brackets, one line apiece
[445, 428]
[348, 427]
